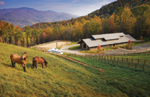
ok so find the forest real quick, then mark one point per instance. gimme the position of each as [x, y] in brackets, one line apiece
[133, 21]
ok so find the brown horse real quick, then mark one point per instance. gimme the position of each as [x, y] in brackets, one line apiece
[15, 58]
[39, 60]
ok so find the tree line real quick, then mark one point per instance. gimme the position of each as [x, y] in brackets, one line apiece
[133, 21]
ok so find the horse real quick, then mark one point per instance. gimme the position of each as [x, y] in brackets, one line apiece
[15, 58]
[39, 60]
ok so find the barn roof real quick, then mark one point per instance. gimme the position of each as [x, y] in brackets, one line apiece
[108, 36]
[108, 39]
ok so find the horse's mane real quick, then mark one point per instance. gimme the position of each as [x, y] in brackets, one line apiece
[44, 60]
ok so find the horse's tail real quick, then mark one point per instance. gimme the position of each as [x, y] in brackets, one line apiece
[11, 56]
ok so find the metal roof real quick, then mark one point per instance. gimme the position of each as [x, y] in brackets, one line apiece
[111, 36]
[94, 43]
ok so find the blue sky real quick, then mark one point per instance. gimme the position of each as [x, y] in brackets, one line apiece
[76, 7]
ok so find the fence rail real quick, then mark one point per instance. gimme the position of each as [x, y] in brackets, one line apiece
[119, 60]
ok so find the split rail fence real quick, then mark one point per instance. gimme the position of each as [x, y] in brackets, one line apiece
[119, 60]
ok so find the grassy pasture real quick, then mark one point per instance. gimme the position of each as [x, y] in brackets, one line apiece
[134, 83]
[64, 78]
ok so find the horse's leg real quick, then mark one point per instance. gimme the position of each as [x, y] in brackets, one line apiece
[42, 65]
[24, 67]
[33, 65]
[14, 64]
[36, 65]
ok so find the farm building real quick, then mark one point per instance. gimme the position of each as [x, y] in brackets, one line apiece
[112, 39]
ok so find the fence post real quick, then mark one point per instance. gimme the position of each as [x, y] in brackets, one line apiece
[108, 59]
[144, 64]
[122, 61]
[135, 65]
[113, 60]
[118, 61]
[132, 61]
[138, 61]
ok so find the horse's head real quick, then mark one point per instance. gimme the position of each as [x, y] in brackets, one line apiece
[46, 63]
[24, 56]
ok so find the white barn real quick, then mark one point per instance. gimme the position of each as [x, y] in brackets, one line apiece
[105, 40]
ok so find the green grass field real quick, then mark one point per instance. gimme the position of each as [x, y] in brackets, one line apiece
[64, 78]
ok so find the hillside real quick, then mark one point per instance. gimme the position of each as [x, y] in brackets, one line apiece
[108, 10]
[66, 78]
[104, 11]
[29, 16]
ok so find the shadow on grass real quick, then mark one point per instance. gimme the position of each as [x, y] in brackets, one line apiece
[29, 65]
[8, 65]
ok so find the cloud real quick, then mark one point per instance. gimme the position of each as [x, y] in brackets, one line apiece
[2, 2]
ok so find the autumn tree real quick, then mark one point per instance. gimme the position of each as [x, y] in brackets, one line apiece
[18, 37]
[128, 20]
[28, 31]
[146, 25]
[112, 27]
[139, 14]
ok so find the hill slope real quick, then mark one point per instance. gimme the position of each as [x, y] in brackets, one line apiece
[28, 16]
[65, 78]
[107, 10]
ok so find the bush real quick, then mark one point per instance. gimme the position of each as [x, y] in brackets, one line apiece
[129, 47]
[115, 47]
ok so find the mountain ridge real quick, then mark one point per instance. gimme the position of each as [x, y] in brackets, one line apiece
[28, 16]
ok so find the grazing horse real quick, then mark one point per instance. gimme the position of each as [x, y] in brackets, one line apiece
[15, 58]
[39, 60]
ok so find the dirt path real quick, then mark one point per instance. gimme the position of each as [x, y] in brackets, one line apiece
[76, 61]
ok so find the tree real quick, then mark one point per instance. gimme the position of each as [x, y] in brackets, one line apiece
[18, 37]
[127, 20]
[139, 14]
[28, 31]
[11, 30]
[112, 27]
[43, 36]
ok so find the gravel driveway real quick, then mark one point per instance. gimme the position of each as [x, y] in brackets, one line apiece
[142, 48]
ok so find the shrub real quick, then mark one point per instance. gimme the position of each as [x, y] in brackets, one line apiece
[115, 47]
[129, 47]
[99, 47]
[129, 42]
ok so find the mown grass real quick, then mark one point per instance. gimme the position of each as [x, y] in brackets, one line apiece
[131, 82]
[74, 48]
[66, 78]
[73, 43]
[92, 51]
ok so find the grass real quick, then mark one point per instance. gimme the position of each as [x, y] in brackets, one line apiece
[92, 51]
[134, 83]
[67, 79]
[74, 48]
[73, 43]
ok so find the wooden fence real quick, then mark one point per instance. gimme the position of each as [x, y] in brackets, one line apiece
[117, 59]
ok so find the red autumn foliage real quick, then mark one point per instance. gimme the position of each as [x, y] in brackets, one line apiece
[129, 42]
[43, 35]
[99, 47]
